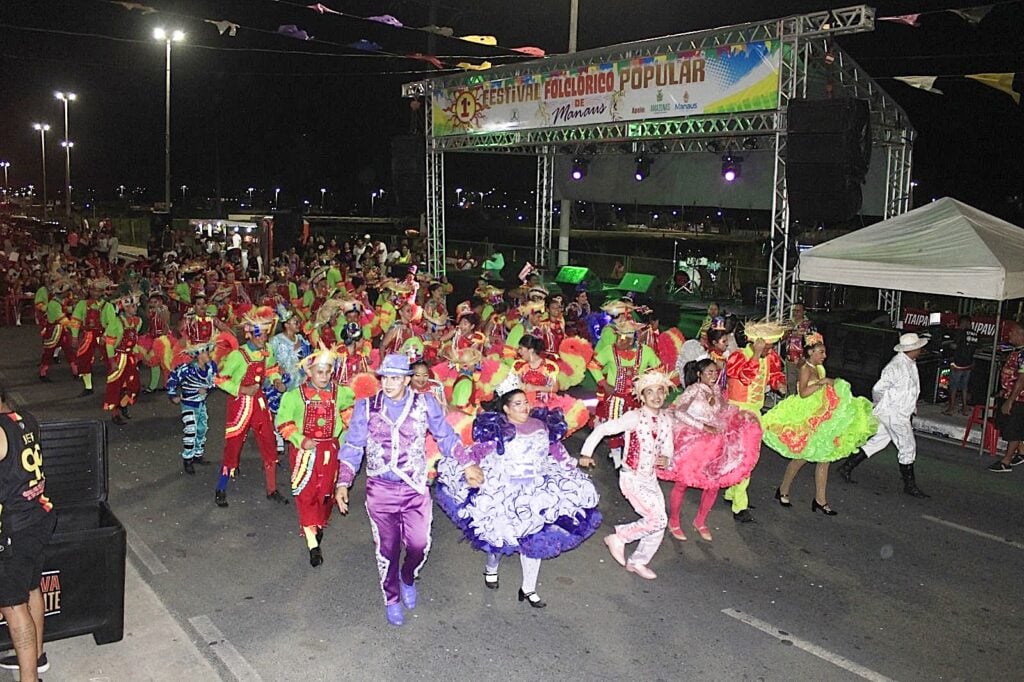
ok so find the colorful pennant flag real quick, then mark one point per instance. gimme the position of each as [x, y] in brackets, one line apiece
[293, 31]
[386, 19]
[908, 19]
[474, 67]
[483, 40]
[145, 9]
[224, 26]
[321, 8]
[428, 58]
[1000, 81]
[445, 31]
[531, 51]
[926, 83]
[973, 15]
[364, 45]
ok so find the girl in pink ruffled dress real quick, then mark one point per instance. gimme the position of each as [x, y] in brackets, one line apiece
[716, 445]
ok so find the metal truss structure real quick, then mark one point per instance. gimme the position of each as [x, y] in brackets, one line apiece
[810, 59]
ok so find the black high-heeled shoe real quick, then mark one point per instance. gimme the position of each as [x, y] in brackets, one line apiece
[783, 499]
[825, 509]
[491, 584]
[531, 598]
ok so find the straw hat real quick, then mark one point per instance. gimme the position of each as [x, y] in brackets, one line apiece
[909, 342]
[194, 349]
[328, 309]
[262, 318]
[466, 357]
[769, 332]
[322, 357]
[626, 327]
[650, 378]
[618, 307]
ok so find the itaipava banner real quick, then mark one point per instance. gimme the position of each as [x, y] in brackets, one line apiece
[725, 79]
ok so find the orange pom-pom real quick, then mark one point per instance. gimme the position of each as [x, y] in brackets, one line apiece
[364, 385]
[576, 347]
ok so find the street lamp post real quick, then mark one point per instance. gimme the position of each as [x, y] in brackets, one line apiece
[323, 194]
[42, 128]
[250, 190]
[277, 191]
[5, 165]
[66, 98]
[183, 188]
[168, 36]
[373, 201]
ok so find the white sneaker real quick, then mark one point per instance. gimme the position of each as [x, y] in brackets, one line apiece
[616, 456]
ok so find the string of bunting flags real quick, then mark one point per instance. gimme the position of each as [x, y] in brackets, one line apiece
[231, 29]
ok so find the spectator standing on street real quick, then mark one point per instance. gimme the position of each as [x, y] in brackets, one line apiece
[799, 327]
[965, 343]
[26, 525]
[1010, 417]
[113, 245]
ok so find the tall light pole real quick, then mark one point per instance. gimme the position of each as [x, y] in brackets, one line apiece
[183, 188]
[67, 97]
[277, 191]
[250, 191]
[323, 193]
[42, 128]
[5, 165]
[175, 36]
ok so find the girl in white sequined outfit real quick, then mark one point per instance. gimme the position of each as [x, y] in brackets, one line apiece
[648, 445]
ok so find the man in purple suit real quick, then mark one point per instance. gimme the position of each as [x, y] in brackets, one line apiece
[390, 430]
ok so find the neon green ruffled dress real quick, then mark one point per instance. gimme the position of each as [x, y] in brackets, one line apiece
[826, 426]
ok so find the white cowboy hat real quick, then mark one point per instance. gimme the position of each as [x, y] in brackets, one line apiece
[910, 341]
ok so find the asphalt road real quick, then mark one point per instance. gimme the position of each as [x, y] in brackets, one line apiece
[886, 589]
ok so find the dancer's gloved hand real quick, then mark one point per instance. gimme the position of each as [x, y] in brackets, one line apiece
[474, 476]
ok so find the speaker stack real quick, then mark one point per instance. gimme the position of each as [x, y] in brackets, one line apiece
[828, 151]
[409, 173]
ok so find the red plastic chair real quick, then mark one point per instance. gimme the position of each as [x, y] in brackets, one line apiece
[991, 436]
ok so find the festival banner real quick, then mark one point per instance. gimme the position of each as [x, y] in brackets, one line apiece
[724, 79]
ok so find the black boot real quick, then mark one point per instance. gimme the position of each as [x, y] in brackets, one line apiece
[189, 469]
[909, 484]
[852, 462]
[316, 557]
[220, 497]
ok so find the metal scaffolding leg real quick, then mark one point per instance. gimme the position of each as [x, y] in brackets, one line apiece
[435, 211]
[898, 189]
[545, 194]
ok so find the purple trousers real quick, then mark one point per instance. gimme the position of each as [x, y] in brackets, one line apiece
[398, 516]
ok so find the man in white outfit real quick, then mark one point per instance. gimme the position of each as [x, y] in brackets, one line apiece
[895, 396]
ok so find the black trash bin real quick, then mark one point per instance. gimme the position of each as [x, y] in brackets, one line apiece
[83, 567]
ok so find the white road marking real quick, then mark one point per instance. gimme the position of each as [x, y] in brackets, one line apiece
[813, 649]
[224, 650]
[146, 555]
[972, 531]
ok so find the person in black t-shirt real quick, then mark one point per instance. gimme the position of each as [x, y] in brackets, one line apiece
[965, 343]
[26, 525]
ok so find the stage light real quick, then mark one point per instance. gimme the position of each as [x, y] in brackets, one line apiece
[731, 167]
[579, 169]
[643, 168]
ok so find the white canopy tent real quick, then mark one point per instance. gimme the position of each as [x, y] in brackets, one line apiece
[945, 247]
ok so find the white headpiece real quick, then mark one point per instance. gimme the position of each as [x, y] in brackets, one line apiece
[509, 384]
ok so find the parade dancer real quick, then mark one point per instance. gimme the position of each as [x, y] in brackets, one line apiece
[615, 367]
[158, 339]
[390, 428]
[822, 422]
[88, 320]
[56, 332]
[121, 339]
[290, 348]
[534, 500]
[310, 420]
[242, 377]
[189, 385]
[715, 444]
[895, 397]
[750, 372]
[648, 446]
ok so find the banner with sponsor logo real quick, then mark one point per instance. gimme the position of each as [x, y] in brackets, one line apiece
[725, 79]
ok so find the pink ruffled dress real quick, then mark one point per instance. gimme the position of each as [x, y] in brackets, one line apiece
[711, 460]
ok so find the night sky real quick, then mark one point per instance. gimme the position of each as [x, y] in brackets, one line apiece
[276, 117]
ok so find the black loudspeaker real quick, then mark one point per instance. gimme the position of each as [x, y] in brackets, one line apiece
[287, 231]
[409, 173]
[828, 151]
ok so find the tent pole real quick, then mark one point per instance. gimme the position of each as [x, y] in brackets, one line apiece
[991, 379]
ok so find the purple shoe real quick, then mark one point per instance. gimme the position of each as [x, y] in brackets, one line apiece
[408, 595]
[395, 614]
